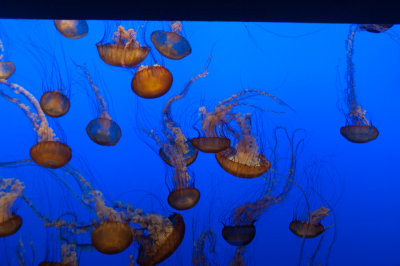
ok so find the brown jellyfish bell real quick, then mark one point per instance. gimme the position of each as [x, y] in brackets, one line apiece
[151, 81]
[240, 235]
[7, 68]
[123, 50]
[54, 103]
[311, 228]
[10, 191]
[112, 237]
[157, 248]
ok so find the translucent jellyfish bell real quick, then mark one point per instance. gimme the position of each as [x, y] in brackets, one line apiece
[375, 28]
[152, 81]
[104, 131]
[240, 235]
[151, 254]
[6, 69]
[112, 237]
[51, 154]
[211, 144]
[72, 29]
[305, 229]
[54, 103]
[171, 44]
[189, 157]
[359, 133]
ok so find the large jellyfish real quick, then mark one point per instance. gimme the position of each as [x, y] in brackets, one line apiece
[178, 152]
[72, 29]
[49, 152]
[244, 159]
[10, 191]
[241, 230]
[171, 44]
[7, 68]
[103, 130]
[358, 129]
[123, 49]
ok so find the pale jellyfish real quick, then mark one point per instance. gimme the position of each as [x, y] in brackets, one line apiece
[72, 29]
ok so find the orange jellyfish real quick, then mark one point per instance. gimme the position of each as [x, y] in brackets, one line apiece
[312, 227]
[103, 130]
[240, 230]
[160, 244]
[171, 44]
[375, 28]
[151, 81]
[178, 152]
[54, 103]
[10, 191]
[357, 129]
[123, 50]
[72, 29]
[7, 68]
[49, 152]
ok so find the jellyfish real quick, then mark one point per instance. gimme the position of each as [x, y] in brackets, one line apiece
[72, 29]
[103, 130]
[312, 227]
[240, 230]
[7, 68]
[123, 50]
[151, 81]
[171, 44]
[178, 152]
[375, 28]
[198, 254]
[357, 129]
[10, 190]
[54, 103]
[49, 152]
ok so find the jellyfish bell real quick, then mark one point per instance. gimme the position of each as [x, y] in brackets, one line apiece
[51, 154]
[6, 69]
[112, 237]
[171, 44]
[359, 133]
[72, 29]
[240, 235]
[242, 167]
[103, 131]
[375, 28]
[151, 81]
[189, 156]
[211, 144]
[184, 198]
[54, 103]
[11, 225]
[123, 50]
[305, 229]
[150, 254]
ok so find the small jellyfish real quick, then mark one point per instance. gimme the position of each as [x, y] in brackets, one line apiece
[240, 230]
[171, 44]
[177, 151]
[7, 68]
[10, 191]
[312, 227]
[158, 246]
[151, 81]
[123, 49]
[72, 29]
[102, 130]
[357, 129]
[375, 28]
[49, 152]
[54, 103]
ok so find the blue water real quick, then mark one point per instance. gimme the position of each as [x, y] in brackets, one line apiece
[302, 64]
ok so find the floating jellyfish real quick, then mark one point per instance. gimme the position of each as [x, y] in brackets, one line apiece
[241, 230]
[10, 191]
[7, 68]
[151, 81]
[171, 44]
[49, 152]
[54, 103]
[198, 255]
[375, 28]
[72, 29]
[163, 239]
[123, 49]
[178, 152]
[244, 160]
[312, 227]
[358, 129]
[103, 130]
